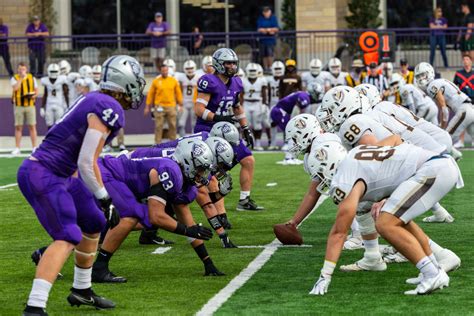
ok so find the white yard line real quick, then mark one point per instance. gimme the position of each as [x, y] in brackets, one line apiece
[3, 187]
[236, 283]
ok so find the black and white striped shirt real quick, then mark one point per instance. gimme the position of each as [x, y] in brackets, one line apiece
[380, 81]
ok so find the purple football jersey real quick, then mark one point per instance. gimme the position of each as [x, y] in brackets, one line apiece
[135, 174]
[288, 103]
[59, 151]
[223, 97]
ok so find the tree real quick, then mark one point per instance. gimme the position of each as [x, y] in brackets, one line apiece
[288, 12]
[45, 10]
[364, 14]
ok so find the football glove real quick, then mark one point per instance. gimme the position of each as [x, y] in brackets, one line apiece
[225, 184]
[321, 286]
[248, 136]
[226, 242]
[224, 118]
[198, 231]
[110, 212]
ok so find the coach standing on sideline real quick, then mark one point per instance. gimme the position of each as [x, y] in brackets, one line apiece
[158, 30]
[36, 33]
[164, 95]
[267, 25]
[4, 50]
[464, 78]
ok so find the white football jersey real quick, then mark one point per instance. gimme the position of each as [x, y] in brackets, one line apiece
[454, 97]
[382, 169]
[189, 86]
[357, 125]
[415, 99]
[329, 81]
[307, 78]
[91, 84]
[253, 91]
[71, 78]
[56, 97]
[399, 112]
[273, 86]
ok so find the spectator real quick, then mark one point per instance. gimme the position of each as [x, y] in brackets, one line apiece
[377, 79]
[357, 75]
[438, 38]
[465, 38]
[158, 31]
[164, 95]
[290, 82]
[196, 41]
[464, 78]
[405, 71]
[36, 32]
[4, 51]
[267, 24]
[25, 91]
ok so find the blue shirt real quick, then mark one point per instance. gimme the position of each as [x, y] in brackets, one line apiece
[262, 22]
[4, 32]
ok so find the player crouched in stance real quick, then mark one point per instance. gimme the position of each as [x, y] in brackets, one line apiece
[413, 179]
[65, 204]
[169, 187]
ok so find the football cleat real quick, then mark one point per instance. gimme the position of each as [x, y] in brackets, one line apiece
[226, 242]
[248, 204]
[434, 219]
[211, 270]
[428, 285]
[150, 237]
[448, 260]
[88, 297]
[106, 276]
[34, 311]
[456, 154]
[353, 243]
[366, 264]
[272, 148]
[258, 148]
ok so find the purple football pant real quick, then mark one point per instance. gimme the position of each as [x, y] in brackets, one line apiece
[64, 206]
[240, 151]
[123, 198]
[279, 117]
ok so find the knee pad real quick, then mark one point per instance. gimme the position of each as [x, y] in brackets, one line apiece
[366, 223]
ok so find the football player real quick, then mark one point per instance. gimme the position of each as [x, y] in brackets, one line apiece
[86, 74]
[218, 101]
[96, 72]
[335, 76]
[207, 68]
[65, 70]
[315, 67]
[419, 103]
[169, 187]
[252, 98]
[171, 67]
[278, 70]
[65, 204]
[56, 95]
[412, 178]
[188, 82]
[447, 95]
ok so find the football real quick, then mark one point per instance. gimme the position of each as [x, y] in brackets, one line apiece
[288, 234]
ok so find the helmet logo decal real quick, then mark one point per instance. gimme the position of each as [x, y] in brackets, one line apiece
[220, 148]
[135, 68]
[363, 91]
[338, 95]
[197, 150]
[225, 128]
[300, 124]
[321, 154]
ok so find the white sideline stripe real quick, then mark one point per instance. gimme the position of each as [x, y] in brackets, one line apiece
[8, 186]
[236, 283]
[279, 245]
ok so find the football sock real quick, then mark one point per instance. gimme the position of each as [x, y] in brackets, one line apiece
[427, 267]
[433, 259]
[202, 252]
[372, 246]
[39, 293]
[244, 194]
[274, 136]
[103, 258]
[439, 211]
[82, 278]
[435, 247]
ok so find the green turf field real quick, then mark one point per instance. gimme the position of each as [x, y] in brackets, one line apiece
[173, 284]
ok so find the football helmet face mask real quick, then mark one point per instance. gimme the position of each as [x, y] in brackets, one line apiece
[65, 67]
[227, 131]
[195, 159]
[189, 67]
[251, 71]
[341, 102]
[300, 131]
[324, 119]
[124, 74]
[315, 66]
[278, 69]
[223, 155]
[396, 82]
[335, 66]
[322, 163]
[53, 71]
[225, 61]
[424, 74]
[371, 92]
[96, 72]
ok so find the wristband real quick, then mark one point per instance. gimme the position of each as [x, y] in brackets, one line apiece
[101, 194]
[205, 114]
[328, 268]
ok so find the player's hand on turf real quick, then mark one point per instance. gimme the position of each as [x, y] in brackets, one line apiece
[248, 136]
[321, 286]
[199, 232]
[110, 212]
[226, 242]
[225, 184]
[224, 118]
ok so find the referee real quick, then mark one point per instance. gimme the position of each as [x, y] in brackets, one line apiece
[376, 78]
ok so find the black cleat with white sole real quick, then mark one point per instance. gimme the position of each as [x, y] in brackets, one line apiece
[150, 237]
[248, 204]
[106, 276]
[88, 297]
[34, 311]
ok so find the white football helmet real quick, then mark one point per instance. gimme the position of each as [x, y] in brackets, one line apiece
[322, 163]
[300, 131]
[96, 72]
[424, 74]
[85, 71]
[206, 62]
[195, 159]
[322, 115]
[223, 56]
[189, 67]
[53, 71]
[364, 104]
[388, 69]
[316, 91]
[260, 70]
[65, 67]
[227, 131]
[335, 66]
[371, 92]
[251, 71]
[396, 82]
[278, 69]
[223, 154]
[241, 73]
[339, 102]
[170, 63]
[315, 66]
[124, 74]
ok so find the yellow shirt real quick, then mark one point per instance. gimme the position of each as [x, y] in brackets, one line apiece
[164, 92]
[23, 96]
[409, 77]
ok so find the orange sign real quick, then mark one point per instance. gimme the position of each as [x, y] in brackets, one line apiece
[369, 42]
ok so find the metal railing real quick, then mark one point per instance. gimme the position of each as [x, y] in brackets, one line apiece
[412, 44]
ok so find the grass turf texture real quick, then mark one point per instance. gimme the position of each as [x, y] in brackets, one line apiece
[173, 283]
